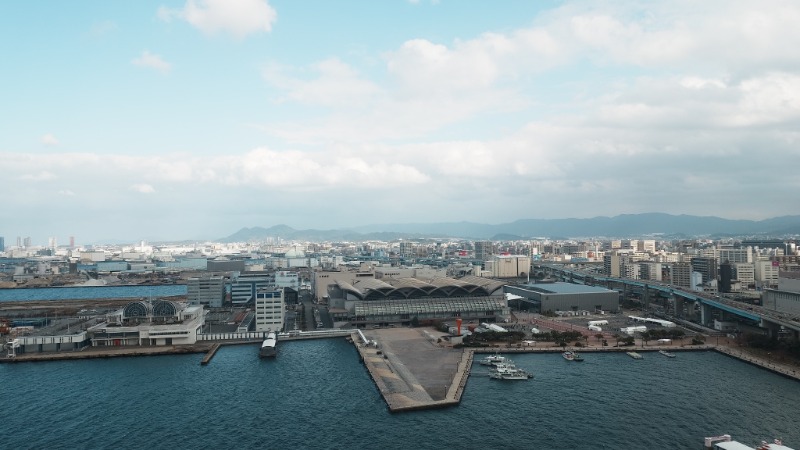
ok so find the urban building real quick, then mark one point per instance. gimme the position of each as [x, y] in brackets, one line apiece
[269, 309]
[726, 276]
[681, 274]
[206, 290]
[484, 250]
[552, 297]
[406, 312]
[508, 266]
[745, 273]
[766, 273]
[245, 285]
[735, 255]
[707, 267]
[150, 323]
[786, 298]
[650, 271]
[225, 265]
[647, 246]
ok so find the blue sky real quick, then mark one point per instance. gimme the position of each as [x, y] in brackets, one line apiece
[192, 119]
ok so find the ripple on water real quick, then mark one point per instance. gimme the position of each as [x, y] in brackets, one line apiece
[316, 394]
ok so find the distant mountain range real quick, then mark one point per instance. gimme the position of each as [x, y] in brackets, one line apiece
[657, 225]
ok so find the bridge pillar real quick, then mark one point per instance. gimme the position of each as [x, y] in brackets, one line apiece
[646, 298]
[678, 302]
[772, 328]
[705, 314]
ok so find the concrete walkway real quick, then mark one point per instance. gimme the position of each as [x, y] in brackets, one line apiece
[411, 371]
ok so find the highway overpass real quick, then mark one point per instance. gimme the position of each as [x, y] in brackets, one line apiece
[751, 315]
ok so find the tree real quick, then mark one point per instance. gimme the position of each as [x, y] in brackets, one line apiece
[415, 321]
[646, 336]
[599, 336]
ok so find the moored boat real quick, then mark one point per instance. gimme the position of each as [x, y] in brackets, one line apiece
[572, 356]
[509, 372]
[493, 360]
[634, 355]
[667, 354]
[269, 348]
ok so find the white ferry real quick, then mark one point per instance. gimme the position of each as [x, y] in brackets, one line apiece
[269, 347]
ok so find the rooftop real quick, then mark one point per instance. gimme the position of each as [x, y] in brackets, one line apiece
[565, 288]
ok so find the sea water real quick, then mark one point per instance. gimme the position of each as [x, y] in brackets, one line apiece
[317, 394]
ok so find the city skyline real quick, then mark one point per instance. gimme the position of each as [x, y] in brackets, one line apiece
[189, 120]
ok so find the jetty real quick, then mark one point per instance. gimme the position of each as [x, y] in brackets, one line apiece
[210, 354]
[411, 371]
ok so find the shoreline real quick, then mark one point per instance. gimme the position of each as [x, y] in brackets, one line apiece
[462, 374]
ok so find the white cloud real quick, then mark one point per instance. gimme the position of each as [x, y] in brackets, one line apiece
[152, 61]
[66, 193]
[142, 188]
[236, 17]
[49, 139]
[103, 28]
[39, 176]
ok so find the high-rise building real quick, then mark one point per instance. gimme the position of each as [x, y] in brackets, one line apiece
[681, 274]
[269, 310]
[207, 290]
[483, 250]
[406, 248]
[706, 266]
[26, 242]
[725, 276]
[2, 244]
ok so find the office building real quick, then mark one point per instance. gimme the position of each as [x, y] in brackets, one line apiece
[681, 274]
[207, 291]
[269, 310]
[483, 250]
[245, 286]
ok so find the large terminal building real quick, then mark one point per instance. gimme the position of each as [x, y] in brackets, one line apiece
[552, 297]
[363, 300]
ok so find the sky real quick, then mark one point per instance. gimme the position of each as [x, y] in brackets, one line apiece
[192, 119]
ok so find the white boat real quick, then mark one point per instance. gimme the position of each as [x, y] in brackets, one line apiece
[572, 356]
[493, 360]
[509, 372]
[667, 354]
[634, 355]
[725, 442]
[269, 347]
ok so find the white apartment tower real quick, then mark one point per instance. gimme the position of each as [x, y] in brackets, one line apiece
[269, 310]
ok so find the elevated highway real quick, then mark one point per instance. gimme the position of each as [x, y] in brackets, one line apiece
[752, 315]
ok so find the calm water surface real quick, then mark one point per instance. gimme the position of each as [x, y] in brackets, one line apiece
[91, 292]
[317, 394]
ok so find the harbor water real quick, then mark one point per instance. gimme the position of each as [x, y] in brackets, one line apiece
[91, 292]
[316, 394]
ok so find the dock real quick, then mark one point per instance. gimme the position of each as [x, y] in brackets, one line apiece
[412, 372]
[210, 354]
[109, 352]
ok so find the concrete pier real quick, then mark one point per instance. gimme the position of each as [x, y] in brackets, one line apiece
[412, 371]
[210, 354]
[109, 352]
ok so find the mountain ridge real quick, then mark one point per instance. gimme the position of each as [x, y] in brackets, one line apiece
[620, 226]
